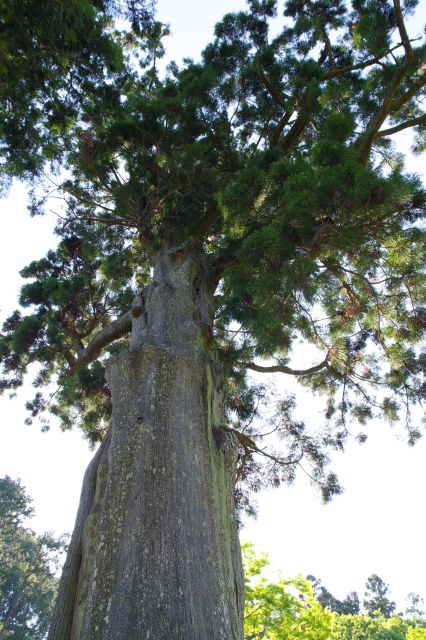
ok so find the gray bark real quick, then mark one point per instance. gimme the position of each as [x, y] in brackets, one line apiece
[61, 624]
[160, 556]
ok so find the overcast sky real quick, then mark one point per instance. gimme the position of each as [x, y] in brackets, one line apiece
[377, 525]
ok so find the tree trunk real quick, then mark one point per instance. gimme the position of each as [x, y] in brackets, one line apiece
[155, 547]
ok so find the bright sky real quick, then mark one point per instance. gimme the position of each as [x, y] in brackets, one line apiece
[377, 525]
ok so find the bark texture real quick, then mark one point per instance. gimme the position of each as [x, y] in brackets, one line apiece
[159, 551]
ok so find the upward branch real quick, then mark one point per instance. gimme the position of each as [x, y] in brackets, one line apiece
[104, 337]
[403, 32]
[307, 105]
[365, 141]
[270, 87]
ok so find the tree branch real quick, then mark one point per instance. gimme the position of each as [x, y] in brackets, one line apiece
[280, 128]
[334, 73]
[365, 141]
[74, 337]
[282, 368]
[270, 87]
[402, 31]
[415, 86]
[250, 446]
[404, 125]
[104, 337]
[306, 107]
[69, 358]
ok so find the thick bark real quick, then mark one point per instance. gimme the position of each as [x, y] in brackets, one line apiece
[159, 552]
[66, 599]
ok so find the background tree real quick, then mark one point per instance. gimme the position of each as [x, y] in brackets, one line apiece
[349, 605]
[416, 633]
[358, 627]
[249, 201]
[28, 563]
[415, 606]
[283, 609]
[289, 609]
[376, 600]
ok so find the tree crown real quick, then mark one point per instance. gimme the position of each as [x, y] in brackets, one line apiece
[272, 162]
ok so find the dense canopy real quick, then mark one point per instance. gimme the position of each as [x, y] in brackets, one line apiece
[272, 160]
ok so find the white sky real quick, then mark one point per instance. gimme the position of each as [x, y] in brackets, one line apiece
[378, 525]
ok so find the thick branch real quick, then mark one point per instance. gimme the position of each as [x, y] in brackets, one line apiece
[270, 87]
[404, 125]
[402, 31]
[108, 334]
[365, 141]
[282, 368]
[280, 128]
[306, 107]
[218, 263]
[418, 84]
[69, 358]
[279, 100]
[74, 337]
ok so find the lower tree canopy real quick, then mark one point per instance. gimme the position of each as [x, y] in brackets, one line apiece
[270, 163]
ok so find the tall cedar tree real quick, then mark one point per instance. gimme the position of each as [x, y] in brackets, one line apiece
[219, 213]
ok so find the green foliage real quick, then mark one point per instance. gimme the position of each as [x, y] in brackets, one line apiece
[349, 605]
[269, 160]
[27, 568]
[283, 609]
[302, 608]
[54, 57]
[416, 633]
[376, 601]
[72, 291]
[350, 627]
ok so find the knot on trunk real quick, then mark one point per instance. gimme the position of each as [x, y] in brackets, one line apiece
[176, 309]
